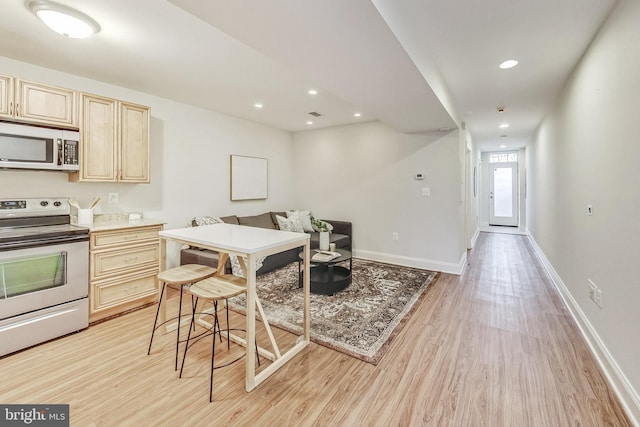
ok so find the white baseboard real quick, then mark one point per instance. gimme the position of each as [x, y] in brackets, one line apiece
[445, 267]
[629, 397]
[475, 237]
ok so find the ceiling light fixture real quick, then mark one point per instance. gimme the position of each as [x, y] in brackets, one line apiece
[309, 122]
[258, 106]
[357, 115]
[313, 92]
[503, 146]
[63, 19]
[510, 63]
[504, 125]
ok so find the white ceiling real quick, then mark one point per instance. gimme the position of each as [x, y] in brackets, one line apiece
[417, 65]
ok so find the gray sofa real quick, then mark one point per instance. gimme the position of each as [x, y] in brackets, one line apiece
[341, 236]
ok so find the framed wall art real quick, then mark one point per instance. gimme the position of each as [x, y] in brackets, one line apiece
[249, 178]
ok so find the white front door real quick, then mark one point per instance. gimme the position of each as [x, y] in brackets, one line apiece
[504, 194]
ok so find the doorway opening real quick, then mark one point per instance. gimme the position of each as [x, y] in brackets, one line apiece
[503, 189]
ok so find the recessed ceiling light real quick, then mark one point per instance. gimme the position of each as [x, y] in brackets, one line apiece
[510, 63]
[258, 106]
[63, 19]
[357, 114]
[313, 92]
[504, 125]
[309, 122]
[503, 146]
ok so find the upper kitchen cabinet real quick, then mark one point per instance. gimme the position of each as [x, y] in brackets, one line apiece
[37, 103]
[6, 96]
[134, 143]
[114, 143]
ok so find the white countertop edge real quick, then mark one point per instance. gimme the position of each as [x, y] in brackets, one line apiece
[236, 238]
[119, 224]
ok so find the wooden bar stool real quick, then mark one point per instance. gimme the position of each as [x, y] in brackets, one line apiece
[212, 290]
[179, 278]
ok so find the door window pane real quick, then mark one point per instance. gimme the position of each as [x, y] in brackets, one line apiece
[503, 157]
[502, 192]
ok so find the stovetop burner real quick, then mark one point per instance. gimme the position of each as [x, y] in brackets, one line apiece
[30, 222]
[23, 233]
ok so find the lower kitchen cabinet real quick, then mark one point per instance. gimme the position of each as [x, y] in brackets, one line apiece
[123, 269]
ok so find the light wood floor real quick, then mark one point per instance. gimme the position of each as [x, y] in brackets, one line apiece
[493, 347]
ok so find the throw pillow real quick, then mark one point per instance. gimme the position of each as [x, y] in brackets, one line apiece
[236, 268]
[289, 224]
[305, 219]
[206, 220]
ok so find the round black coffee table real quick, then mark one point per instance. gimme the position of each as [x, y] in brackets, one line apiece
[325, 277]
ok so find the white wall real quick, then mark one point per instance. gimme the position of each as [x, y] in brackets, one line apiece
[587, 152]
[365, 174]
[190, 150]
[474, 188]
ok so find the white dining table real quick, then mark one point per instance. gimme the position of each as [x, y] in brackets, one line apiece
[252, 243]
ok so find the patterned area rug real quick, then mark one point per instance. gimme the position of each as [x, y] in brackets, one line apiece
[360, 320]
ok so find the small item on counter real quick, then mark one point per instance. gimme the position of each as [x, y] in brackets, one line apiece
[73, 202]
[94, 202]
[135, 217]
[85, 216]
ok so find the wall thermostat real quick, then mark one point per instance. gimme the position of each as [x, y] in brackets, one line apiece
[418, 176]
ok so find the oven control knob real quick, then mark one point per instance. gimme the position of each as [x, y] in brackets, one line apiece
[57, 203]
[44, 203]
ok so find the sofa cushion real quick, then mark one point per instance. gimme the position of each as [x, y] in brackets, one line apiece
[262, 221]
[273, 217]
[290, 224]
[232, 219]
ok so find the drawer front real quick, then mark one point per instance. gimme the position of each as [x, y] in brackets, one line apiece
[107, 239]
[123, 261]
[110, 294]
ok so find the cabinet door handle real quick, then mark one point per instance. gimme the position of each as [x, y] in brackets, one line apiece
[17, 109]
[11, 108]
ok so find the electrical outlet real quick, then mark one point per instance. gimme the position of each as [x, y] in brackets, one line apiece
[114, 198]
[394, 236]
[595, 293]
[592, 290]
[426, 191]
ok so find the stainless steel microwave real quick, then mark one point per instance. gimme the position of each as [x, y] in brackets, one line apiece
[32, 147]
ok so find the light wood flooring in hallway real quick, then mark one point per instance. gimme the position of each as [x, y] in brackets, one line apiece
[493, 347]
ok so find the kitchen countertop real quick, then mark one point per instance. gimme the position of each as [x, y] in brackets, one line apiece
[104, 222]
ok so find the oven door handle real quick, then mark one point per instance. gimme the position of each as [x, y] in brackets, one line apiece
[31, 243]
[64, 264]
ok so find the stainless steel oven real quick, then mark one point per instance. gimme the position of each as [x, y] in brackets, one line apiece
[44, 272]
